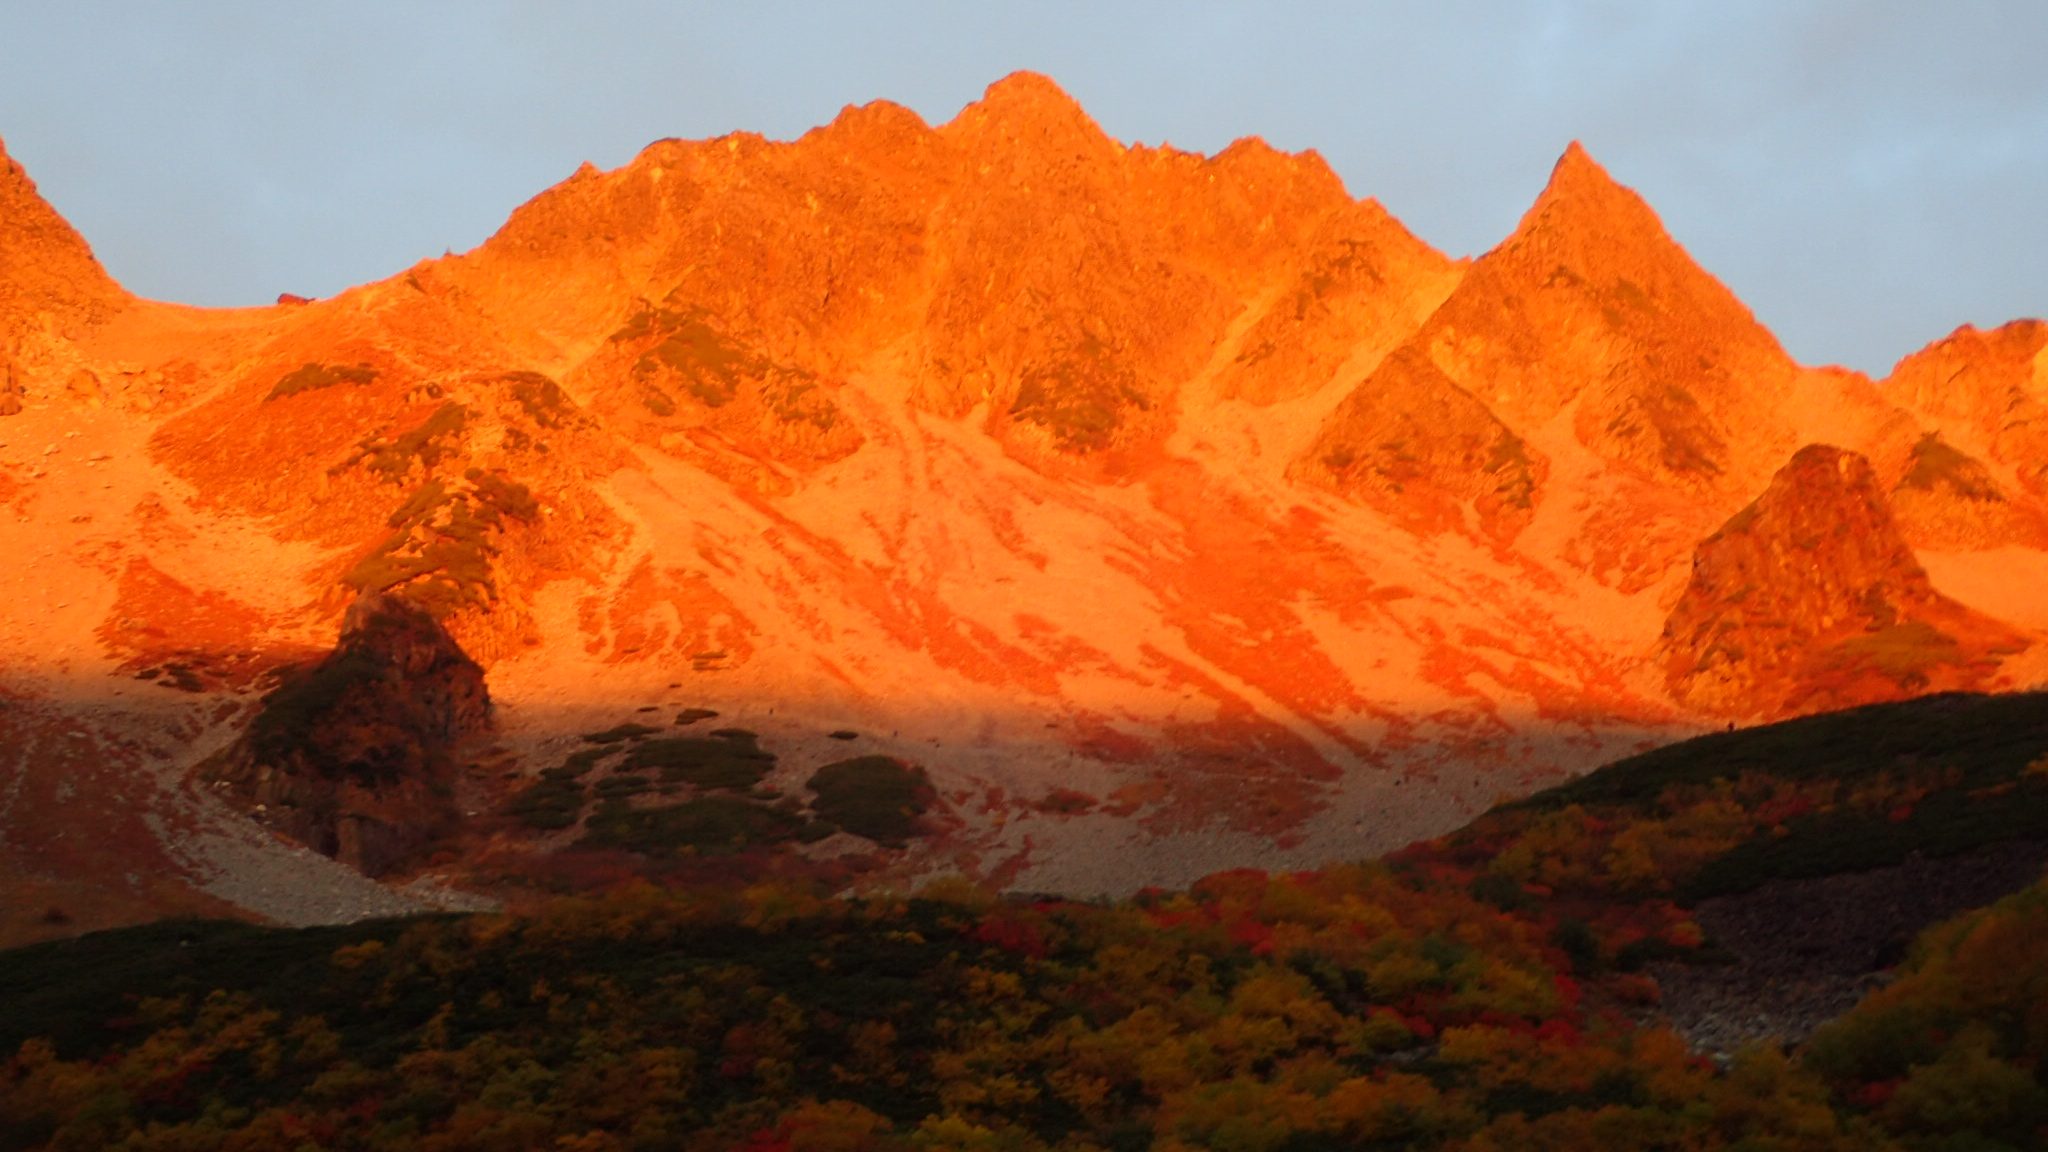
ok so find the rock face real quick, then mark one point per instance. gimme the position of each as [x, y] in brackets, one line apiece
[354, 756]
[1810, 599]
[1414, 444]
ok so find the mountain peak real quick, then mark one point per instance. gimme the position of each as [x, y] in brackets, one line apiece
[1025, 107]
[1580, 189]
[1023, 89]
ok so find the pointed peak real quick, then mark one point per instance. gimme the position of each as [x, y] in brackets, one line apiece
[1578, 178]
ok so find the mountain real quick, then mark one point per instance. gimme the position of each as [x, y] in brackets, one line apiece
[1108, 514]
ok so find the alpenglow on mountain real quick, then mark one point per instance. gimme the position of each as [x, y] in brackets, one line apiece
[991, 496]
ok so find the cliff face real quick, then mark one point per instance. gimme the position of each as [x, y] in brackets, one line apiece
[1810, 599]
[355, 755]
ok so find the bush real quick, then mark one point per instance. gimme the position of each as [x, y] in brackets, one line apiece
[876, 797]
[707, 824]
[730, 763]
[552, 803]
[619, 734]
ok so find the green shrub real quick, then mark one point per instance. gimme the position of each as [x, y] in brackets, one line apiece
[284, 723]
[581, 761]
[1080, 401]
[503, 496]
[612, 787]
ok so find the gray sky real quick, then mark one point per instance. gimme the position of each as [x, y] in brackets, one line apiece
[1866, 174]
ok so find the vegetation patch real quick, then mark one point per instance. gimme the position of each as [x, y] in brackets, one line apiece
[1902, 652]
[284, 724]
[1066, 802]
[553, 802]
[541, 399]
[423, 446]
[313, 377]
[581, 761]
[1672, 421]
[1853, 838]
[1987, 738]
[713, 824]
[717, 762]
[706, 365]
[620, 734]
[879, 798]
[617, 787]
[1081, 400]
[444, 541]
[1513, 472]
[1935, 464]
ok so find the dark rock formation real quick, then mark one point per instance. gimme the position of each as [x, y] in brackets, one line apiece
[355, 755]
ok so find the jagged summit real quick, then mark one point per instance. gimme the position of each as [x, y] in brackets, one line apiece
[1577, 174]
[1581, 197]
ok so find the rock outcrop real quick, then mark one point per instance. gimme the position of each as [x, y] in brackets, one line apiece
[355, 756]
[1809, 599]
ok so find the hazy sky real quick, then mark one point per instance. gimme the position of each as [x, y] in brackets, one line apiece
[1867, 175]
